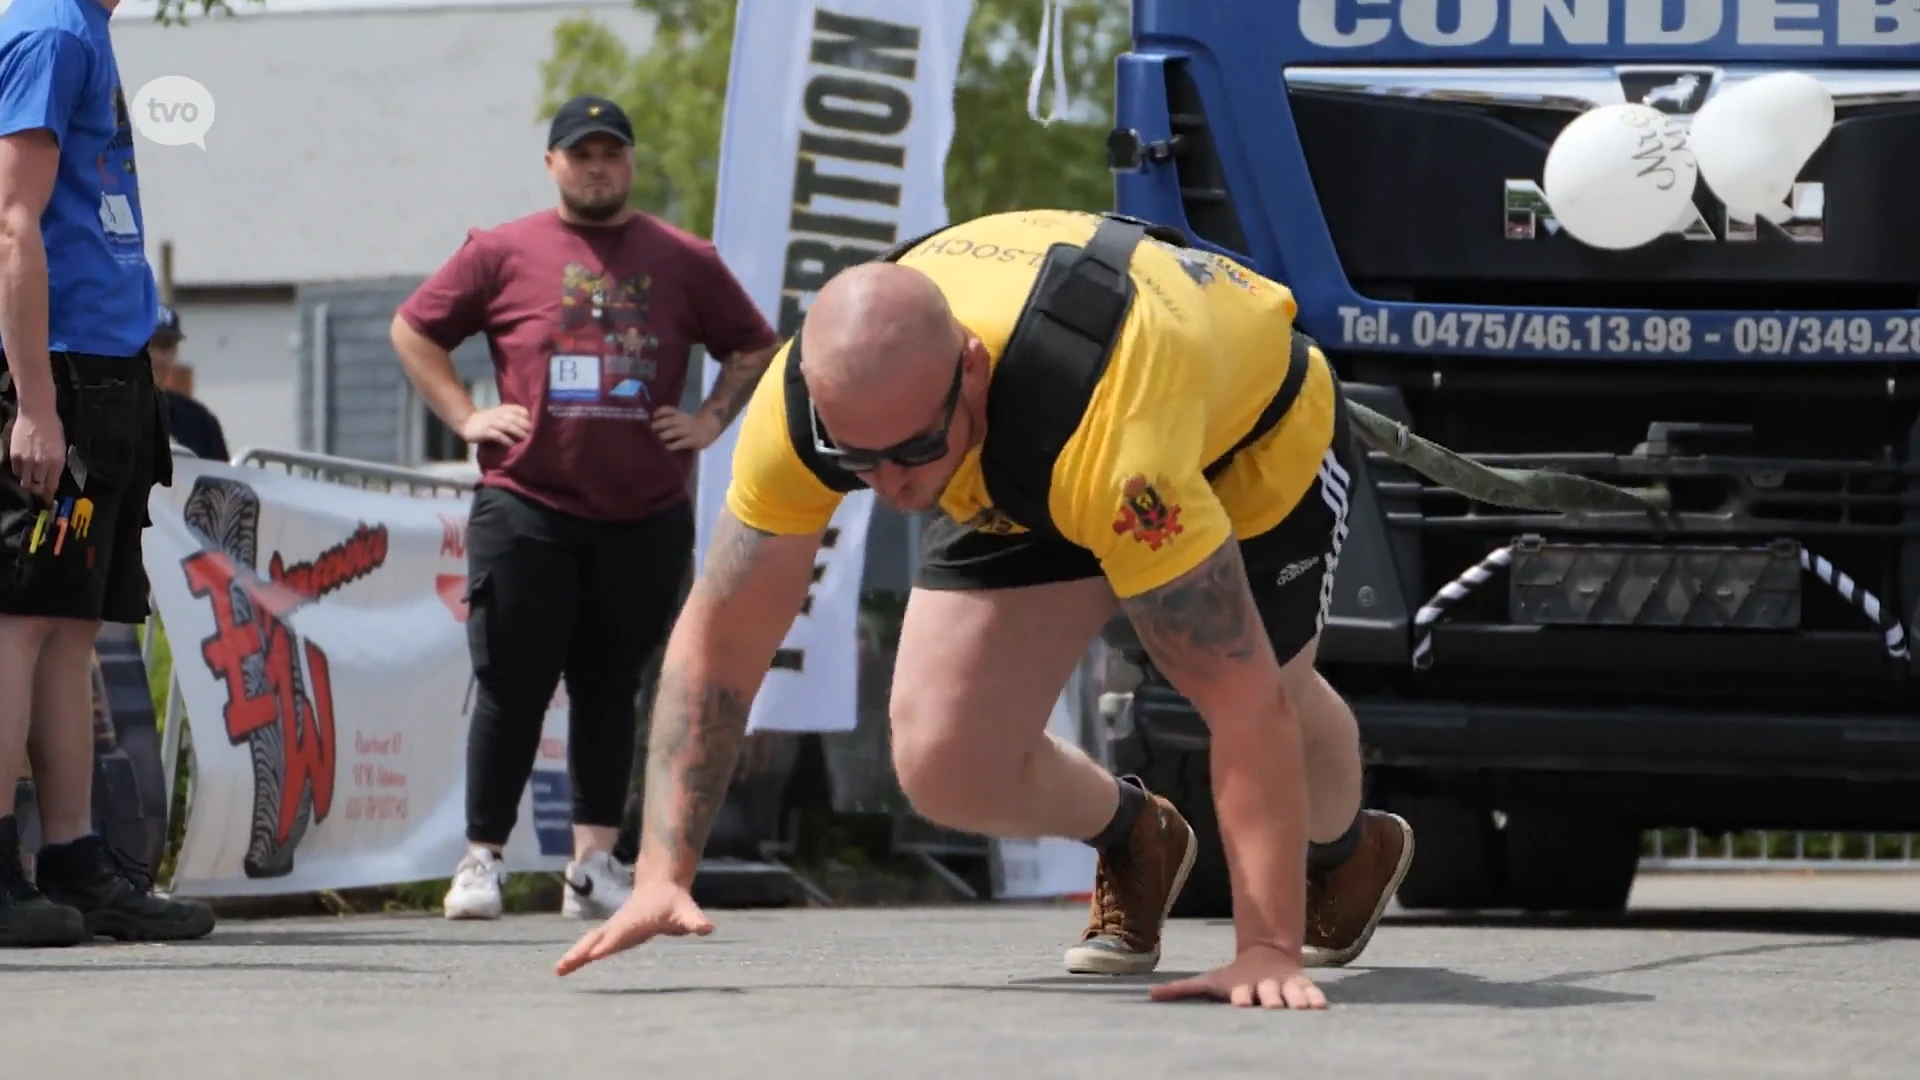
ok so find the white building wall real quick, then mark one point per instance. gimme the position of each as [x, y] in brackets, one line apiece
[243, 356]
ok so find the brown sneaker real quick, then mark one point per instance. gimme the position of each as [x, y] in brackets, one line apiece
[1133, 893]
[1344, 905]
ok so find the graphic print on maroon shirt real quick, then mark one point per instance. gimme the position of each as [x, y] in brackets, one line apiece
[601, 365]
[590, 328]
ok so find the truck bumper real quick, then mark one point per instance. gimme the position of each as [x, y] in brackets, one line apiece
[1442, 735]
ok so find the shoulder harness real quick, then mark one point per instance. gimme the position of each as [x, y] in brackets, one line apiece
[1045, 379]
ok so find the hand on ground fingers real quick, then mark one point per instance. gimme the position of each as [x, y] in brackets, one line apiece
[1260, 976]
[653, 911]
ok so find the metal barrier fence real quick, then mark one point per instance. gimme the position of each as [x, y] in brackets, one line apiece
[366, 475]
[1688, 849]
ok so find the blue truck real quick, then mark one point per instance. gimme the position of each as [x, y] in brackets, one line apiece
[1534, 691]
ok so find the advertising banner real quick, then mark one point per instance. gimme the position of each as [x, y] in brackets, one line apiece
[318, 637]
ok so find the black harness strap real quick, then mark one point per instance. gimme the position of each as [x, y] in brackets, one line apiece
[1054, 358]
[1298, 361]
[1053, 361]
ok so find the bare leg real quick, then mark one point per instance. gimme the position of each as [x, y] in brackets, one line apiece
[21, 640]
[974, 685]
[1345, 900]
[588, 839]
[1332, 743]
[61, 743]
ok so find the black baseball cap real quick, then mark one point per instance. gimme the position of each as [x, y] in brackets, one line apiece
[588, 115]
[168, 328]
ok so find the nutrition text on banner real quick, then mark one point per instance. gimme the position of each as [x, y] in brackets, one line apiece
[853, 100]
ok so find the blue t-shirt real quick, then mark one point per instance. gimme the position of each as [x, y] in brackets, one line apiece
[57, 71]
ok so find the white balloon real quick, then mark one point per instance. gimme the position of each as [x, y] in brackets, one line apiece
[1619, 176]
[1753, 139]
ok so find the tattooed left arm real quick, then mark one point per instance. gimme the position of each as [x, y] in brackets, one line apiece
[1203, 632]
[739, 374]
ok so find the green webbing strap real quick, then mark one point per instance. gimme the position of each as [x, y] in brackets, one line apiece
[1519, 489]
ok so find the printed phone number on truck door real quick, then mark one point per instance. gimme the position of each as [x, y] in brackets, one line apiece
[1519, 331]
[1645, 335]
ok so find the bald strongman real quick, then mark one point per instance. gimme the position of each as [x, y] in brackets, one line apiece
[1194, 473]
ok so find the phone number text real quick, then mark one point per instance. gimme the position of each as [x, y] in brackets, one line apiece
[1649, 335]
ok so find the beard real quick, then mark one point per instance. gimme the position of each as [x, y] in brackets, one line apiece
[595, 209]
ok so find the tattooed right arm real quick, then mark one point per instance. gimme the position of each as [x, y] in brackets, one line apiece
[740, 609]
[1204, 633]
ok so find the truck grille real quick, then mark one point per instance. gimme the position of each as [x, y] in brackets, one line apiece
[1411, 193]
[1746, 456]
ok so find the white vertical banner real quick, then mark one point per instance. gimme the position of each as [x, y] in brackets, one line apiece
[839, 116]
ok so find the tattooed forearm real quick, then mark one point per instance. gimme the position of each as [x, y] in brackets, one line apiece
[730, 559]
[726, 633]
[1201, 620]
[739, 374]
[691, 753]
[750, 588]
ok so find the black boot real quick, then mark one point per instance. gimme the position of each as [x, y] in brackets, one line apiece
[115, 896]
[28, 920]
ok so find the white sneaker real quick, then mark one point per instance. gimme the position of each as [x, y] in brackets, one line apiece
[476, 886]
[596, 886]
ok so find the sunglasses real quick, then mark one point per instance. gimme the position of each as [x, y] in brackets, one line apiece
[922, 449]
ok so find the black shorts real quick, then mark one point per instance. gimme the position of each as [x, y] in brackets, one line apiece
[80, 558]
[1290, 566]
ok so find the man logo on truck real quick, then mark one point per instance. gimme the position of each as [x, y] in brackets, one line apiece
[1676, 95]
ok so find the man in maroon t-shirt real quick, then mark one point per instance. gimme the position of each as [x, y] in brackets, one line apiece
[580, 530]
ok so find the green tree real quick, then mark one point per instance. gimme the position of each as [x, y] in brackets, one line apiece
[675, 92]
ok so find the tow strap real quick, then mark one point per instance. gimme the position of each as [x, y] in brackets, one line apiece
[1060, 347]
[1518, 489]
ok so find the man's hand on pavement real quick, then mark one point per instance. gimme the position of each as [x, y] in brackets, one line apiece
[1261, 975]
[655, 909]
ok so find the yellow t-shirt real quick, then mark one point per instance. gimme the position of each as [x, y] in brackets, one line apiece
[1203, 351]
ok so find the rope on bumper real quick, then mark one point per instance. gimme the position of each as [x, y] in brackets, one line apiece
[1554, 492]
[1892, 632]
[1853, 593]
[1450, 594]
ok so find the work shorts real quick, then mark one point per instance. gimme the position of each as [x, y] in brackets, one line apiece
[80, 558]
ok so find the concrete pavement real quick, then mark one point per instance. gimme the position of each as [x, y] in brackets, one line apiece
[1703, 979]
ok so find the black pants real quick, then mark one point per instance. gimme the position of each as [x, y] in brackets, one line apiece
[553, 596]
[80, 557]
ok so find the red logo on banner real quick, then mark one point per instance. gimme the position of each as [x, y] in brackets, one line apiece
[453, 587]
[335, 568]
[279, 686]
[258, 656]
